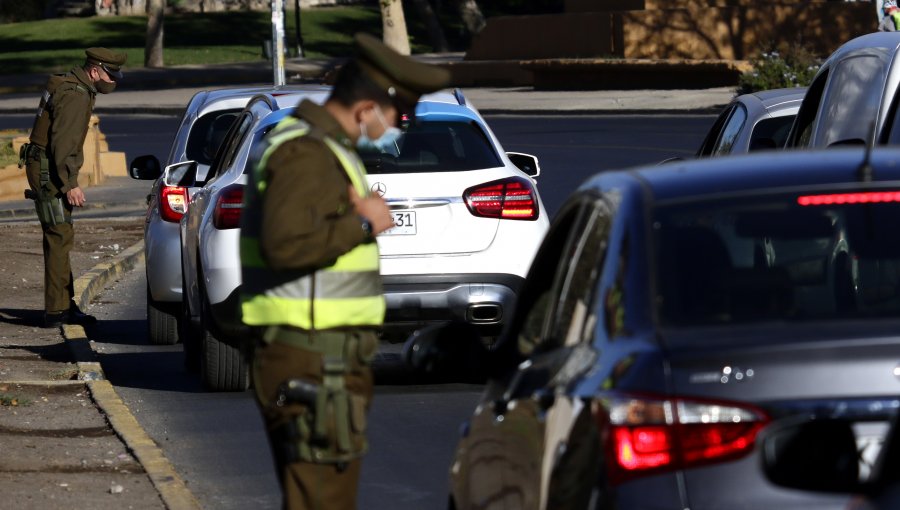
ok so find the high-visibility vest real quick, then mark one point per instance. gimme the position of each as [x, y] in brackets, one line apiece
[346, 294]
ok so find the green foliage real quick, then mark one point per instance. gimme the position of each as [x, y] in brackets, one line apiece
[774, 70]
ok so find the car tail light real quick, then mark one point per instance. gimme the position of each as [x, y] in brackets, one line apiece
[229, 205]
[867, 197]
[173, 203]
[647, 435]
[513, 198]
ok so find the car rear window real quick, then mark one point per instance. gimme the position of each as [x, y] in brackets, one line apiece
[778, 258]
[207, 134]
[435, 146]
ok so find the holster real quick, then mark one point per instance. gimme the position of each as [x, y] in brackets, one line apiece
[324, 423]
[48, 203]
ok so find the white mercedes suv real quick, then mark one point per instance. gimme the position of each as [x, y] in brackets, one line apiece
[468, 222]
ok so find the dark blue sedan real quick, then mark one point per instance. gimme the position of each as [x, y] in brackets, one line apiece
[671, 314]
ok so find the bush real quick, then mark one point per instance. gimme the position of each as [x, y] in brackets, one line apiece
[773, 70]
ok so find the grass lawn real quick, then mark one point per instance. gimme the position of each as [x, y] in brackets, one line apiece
[7, 155]
[55, 45]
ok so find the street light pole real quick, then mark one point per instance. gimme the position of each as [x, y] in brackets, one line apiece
[278, 42]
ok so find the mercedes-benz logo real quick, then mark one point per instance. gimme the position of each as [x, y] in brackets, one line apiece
[379, 188]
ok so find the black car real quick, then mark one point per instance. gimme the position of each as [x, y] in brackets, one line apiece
[671, 313]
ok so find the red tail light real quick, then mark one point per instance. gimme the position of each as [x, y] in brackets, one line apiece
[513, 198]
[229, 205]
[648, 435]
[173, 203]
[867, 197]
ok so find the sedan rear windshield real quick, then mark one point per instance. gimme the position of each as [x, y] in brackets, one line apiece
[435, 146]
[207, 134]
[779, 258]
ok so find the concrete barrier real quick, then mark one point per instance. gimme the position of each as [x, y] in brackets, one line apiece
[99, 163]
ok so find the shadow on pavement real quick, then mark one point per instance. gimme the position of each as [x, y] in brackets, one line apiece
[19, 317]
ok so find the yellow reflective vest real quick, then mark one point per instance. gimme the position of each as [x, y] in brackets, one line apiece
[346, 294]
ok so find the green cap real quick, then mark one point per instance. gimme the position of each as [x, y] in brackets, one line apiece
[403, 78]
[109, 60]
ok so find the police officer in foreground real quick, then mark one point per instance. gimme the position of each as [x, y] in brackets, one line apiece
[52, 160]
[311, 286]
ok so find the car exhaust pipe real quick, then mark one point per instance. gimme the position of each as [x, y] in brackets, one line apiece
[484, 313]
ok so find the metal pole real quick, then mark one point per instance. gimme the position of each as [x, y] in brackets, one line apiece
[299, 37]
[278, 42]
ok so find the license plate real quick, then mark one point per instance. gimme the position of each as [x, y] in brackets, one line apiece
[404, 224]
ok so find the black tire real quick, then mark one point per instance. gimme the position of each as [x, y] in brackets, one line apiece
[190, 334]
[162, 323]
[222, 367]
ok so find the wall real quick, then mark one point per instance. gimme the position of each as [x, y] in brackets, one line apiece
[694, 31]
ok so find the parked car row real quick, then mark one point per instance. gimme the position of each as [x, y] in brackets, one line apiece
[707, 334]
[468, 221]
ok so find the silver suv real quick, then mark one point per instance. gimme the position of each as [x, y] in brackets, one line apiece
[206, 119]
[210, 299]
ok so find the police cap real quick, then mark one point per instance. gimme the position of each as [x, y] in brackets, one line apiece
[403, 78]
[109, 60]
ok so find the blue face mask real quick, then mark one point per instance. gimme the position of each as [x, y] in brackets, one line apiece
[386, 143]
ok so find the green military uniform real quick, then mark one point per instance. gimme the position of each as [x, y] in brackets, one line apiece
[53, 158]
[312, 291]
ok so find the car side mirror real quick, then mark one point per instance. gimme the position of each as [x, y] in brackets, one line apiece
[453, 350]
[815, 455]
[525, 162]
[181, 174]
[145, 168]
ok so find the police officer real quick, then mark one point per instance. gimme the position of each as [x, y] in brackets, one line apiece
[53, 158]
[311, 286]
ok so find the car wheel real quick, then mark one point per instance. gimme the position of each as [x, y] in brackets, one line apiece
[222, 367]
[190, 333]
[162, 324]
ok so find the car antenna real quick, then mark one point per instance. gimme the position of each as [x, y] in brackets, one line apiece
[864, 173]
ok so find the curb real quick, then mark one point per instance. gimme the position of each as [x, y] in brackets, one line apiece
[171, 488]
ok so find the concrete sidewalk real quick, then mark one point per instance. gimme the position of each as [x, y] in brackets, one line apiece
[490, 101]
[167, 91]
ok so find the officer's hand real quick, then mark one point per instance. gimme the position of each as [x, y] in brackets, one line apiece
[75, 197]
[372, 208]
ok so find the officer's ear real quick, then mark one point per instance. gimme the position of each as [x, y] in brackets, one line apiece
[363, 110]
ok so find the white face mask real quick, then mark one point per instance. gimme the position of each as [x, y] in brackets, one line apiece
[387, 142]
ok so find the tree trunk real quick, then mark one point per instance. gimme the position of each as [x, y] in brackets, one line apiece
[153, 50]
[471, 16]
[432, 24]
[394, 26]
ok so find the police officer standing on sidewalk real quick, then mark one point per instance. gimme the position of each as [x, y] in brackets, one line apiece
[53, 158]
[311, 286]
